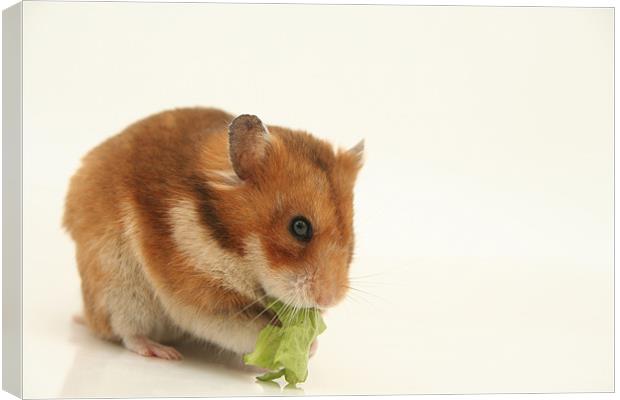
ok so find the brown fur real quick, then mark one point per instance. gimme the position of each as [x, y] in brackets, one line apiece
[122, 195]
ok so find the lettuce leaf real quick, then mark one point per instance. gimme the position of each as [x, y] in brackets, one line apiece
[284, 350]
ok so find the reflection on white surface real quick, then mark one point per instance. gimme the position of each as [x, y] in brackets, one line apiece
[107, 369]
[462, 326]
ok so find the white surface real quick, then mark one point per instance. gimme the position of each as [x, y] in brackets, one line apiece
[484, 212]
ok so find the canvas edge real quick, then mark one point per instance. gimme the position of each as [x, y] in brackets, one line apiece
[12, 200]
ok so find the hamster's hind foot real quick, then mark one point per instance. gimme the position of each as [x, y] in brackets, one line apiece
[146, 347]
[79, 319]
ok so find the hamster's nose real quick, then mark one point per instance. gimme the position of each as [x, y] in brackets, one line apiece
[325, 298]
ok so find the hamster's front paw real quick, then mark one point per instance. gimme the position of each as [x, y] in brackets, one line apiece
[148, 348]
[262, 315]
[313, 347]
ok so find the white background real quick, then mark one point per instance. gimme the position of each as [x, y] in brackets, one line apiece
[484, 212]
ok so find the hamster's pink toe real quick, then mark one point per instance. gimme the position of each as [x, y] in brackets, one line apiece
[148, 348]
[79, 319]
[165, 352]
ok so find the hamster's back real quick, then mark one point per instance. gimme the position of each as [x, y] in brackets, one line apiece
[145, 156]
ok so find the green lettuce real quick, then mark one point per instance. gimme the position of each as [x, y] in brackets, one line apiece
[284, 350]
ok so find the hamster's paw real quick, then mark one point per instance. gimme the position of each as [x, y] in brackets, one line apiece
[79, 319]
[148, 348]
[313, 347]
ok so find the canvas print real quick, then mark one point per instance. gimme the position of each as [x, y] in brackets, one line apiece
[288, 199]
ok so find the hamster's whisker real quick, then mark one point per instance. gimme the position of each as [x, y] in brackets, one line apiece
[275, 317]
[306, 313]
[362, 279]
[367, 278]
[301, 292]
[218, 301]
[271, 321]
[370, 283]
[257, 301]
[360, 291]
[293, 308]
[298, 301]
[262, 312]
[357, 298]
[284, 315]
[350, 297]
[289, 309]
[369, 275]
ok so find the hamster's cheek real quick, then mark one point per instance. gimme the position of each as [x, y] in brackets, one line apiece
[288, 282]
[288, 287]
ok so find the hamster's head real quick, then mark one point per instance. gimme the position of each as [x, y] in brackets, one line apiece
[300, 193]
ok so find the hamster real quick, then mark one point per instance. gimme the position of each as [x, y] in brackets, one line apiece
[189, 220]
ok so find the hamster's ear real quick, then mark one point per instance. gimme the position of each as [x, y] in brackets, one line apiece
[357, 152]
[247, 140]
[349, 162]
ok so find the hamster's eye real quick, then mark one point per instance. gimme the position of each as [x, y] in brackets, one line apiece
[301, 229]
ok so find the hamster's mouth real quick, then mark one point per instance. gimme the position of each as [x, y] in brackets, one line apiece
[265, 297]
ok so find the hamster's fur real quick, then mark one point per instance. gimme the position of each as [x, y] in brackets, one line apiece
[182, 225]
